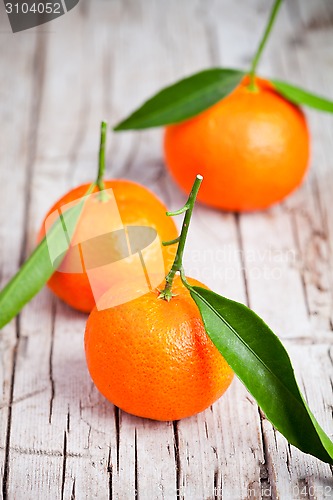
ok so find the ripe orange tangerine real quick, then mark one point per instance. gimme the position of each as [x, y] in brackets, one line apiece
[137, 207]
[252, 148]
[153, 358]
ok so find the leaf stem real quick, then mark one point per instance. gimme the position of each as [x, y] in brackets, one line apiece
[178, 212]
[101, 158]
[166, 294]
[252, 73]
[171, 242]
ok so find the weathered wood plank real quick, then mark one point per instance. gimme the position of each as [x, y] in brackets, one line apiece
[19, 107]
[297, 475]
[312, 66]
[225, 442]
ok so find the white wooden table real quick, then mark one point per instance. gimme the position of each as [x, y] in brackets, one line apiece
[59, 439]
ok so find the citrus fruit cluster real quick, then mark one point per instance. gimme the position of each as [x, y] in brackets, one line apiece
[159, 354]
[151, 357]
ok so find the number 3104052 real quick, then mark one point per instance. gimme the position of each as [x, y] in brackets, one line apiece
[39, 8]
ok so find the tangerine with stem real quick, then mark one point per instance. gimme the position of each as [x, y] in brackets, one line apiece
[253, 146]
[137, 206]
[152, 356]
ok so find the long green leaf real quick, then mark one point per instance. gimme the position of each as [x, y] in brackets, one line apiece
[261, 362]
[303, 97]
[26, 283]
[36, 270]
[183, 99]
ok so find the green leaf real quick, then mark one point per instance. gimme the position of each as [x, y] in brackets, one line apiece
[302, 97]
[37, 269]
[183, 99]
[261, 362]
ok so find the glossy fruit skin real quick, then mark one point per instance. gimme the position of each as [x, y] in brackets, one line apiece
[153, 358]
[252, 149]
[137, 206]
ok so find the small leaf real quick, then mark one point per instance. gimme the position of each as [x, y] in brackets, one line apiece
[261, 362]
[36, 270]
[302, 97]
[184, 99]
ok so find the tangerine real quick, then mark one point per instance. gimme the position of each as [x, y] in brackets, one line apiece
[252, 148]
[153, 358]
[137, 206]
